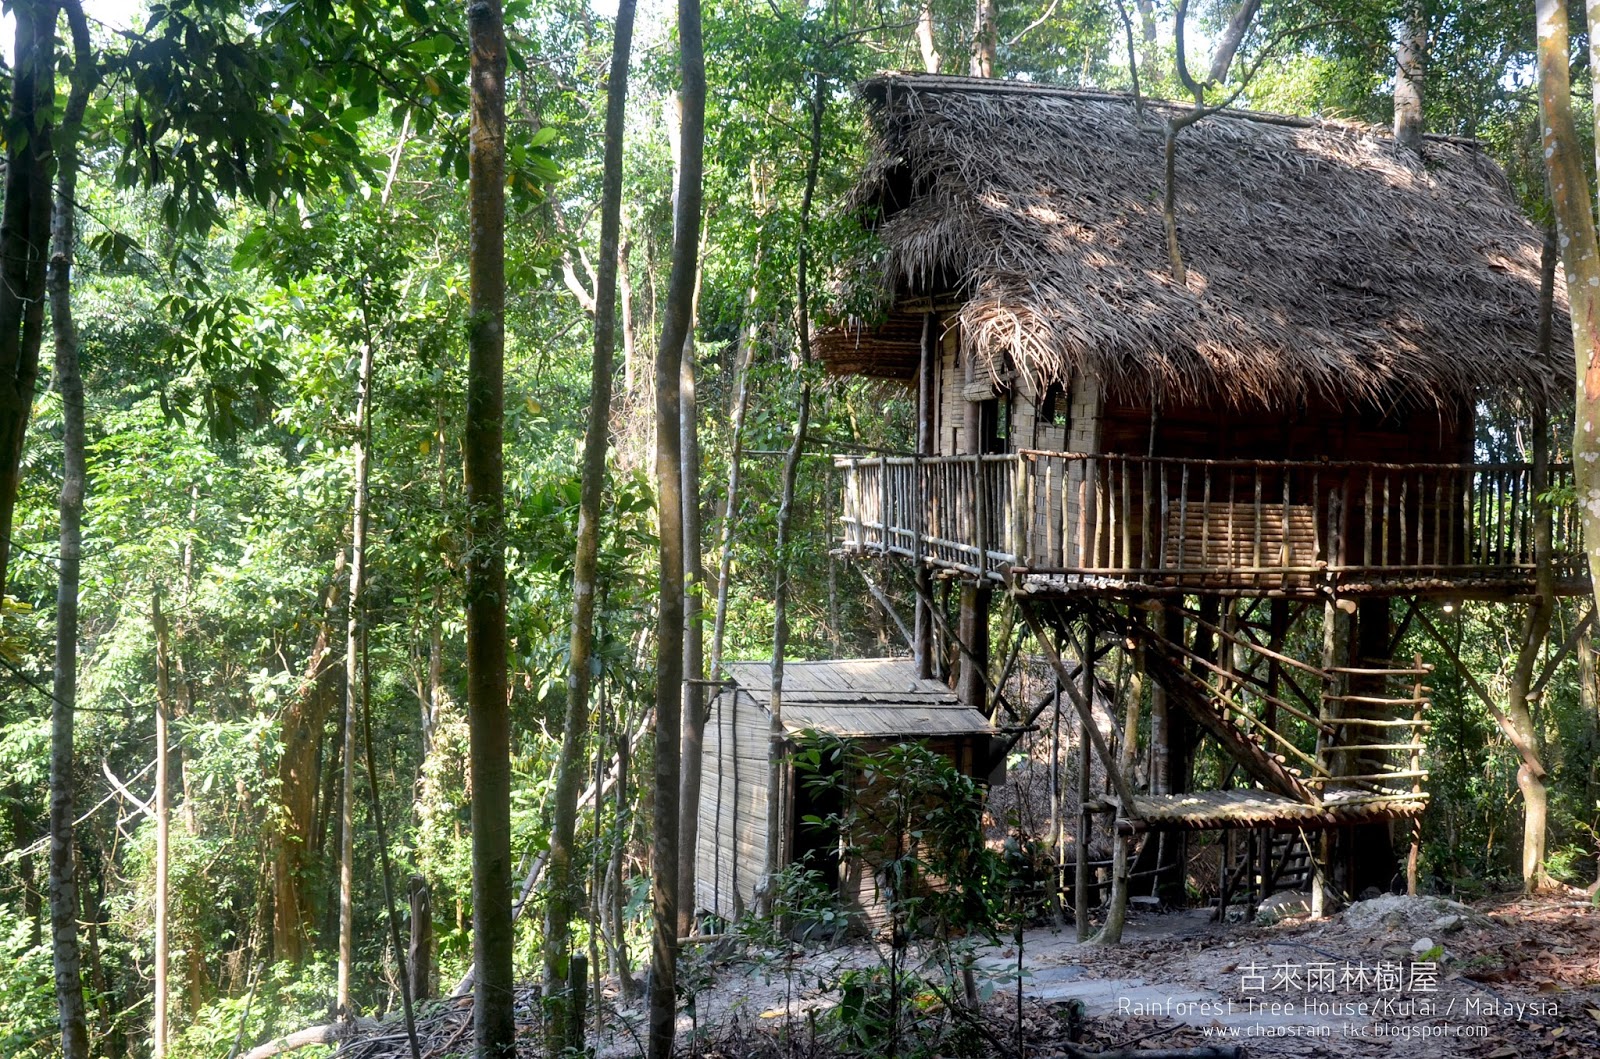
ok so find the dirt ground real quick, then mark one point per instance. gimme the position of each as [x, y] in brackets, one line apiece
[1389, 978]
[1392, 977]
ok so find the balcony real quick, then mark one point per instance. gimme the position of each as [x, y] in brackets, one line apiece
[1067, 522]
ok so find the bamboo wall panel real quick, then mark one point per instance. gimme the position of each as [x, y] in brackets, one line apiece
[732, 852]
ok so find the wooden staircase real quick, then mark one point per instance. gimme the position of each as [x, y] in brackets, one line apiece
[1325, 745]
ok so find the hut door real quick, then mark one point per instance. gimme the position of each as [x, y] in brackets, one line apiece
[817, 796]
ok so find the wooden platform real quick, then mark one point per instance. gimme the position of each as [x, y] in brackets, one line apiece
[1215, 810]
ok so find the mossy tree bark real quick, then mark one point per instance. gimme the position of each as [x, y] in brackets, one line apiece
[64, 903]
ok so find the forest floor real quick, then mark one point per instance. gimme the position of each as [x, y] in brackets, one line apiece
[1393, 977]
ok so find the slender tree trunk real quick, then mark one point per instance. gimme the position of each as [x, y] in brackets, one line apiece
[777, 795]
[562, 1030]
[1410, 60]
[1570, 197]
[352, 676]
[985, 38]
[694, 654]
[730, 506]
[694, 644]
[1536, 624]
[24, 238]
[1232, 37]
[489, 714]
[931, 59]
[669, 468]
[64, 902]
[163, 811]
[619, 935]
[625, 306]
[1149, 41]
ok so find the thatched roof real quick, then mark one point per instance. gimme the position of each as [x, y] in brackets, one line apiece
[1322, 260]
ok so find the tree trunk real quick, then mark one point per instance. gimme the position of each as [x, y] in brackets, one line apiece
[619, 936]
[488, 708]
[562, 1030]
[163, 813]
[625, 306]
[675, 327]
[419, 961]
[777, 854]
[302, 732]
[64, 902]
[1232, 37]
[694, 643]
[694, 654]
[1570, 197]
[24, 237]
[1536, 624]
[931, 59]
[985, 37]
[1117, 910]
[1149, 41]
[352, 674]
[730, 506]
[1410, 60]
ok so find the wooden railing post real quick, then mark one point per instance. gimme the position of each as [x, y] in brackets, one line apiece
[1021, 511]
[920, 515]
[980, 515]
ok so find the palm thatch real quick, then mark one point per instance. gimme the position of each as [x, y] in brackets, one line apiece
[1323, 262]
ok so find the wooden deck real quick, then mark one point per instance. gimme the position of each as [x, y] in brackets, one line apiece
[1062, 523]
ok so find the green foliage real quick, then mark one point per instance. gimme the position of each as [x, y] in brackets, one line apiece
[280, 1000]
[27, 991]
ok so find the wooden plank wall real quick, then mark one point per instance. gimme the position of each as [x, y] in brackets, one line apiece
[733, 804]
[1314, 431]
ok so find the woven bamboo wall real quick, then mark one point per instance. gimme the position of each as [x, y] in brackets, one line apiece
[733, 804]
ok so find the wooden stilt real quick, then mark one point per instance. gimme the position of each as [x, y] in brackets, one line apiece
[1081, 885]
[1058, 830]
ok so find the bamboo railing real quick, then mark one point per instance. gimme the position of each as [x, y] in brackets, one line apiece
[1204, 523]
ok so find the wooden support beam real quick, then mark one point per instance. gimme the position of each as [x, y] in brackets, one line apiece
[888, 607]
[1065, 679]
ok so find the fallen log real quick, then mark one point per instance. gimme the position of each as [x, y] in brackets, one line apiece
[329, 1033]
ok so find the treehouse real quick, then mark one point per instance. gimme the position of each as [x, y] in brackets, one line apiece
[869, 702]
[1222, 445]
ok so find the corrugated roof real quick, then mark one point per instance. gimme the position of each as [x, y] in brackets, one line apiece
[860, 697]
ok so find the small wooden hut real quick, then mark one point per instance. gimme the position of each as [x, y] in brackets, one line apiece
[874, 701]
